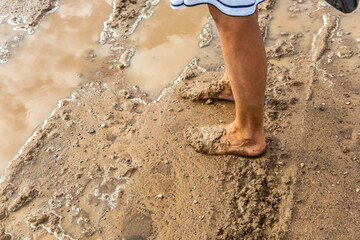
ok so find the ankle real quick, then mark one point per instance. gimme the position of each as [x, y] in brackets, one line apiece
[247, 133]
[225, 78]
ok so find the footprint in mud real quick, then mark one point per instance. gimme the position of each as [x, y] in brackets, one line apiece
[137, 226]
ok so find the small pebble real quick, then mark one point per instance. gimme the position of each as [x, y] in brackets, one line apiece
[358, 190]
[209, 101]
[344, 149]
[91, 131]
[160, 196]
[103, 125]
[195, 202]
[302, 165]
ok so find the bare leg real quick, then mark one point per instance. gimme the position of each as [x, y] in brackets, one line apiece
[245, 60]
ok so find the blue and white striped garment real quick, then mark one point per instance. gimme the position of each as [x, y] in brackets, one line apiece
[234, 8]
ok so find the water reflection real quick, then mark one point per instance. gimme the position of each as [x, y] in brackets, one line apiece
[162, 53]
[44, 67]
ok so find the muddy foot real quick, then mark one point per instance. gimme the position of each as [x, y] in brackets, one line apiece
[207, 86]
[214, 140]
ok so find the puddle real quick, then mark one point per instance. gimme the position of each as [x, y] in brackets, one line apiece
[162, 50]
[350, 23]
[6, 38]
[6, 32]
[44, 69]
[296, 21]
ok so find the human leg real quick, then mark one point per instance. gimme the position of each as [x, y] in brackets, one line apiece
[245, 61]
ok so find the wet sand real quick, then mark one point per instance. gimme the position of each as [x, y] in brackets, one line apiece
[112, 163]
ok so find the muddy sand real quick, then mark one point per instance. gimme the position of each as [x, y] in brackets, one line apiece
[112, 162]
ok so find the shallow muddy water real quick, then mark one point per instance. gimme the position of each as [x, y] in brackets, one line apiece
[349, 23]
[295, 17]
[5, 33]
[44, 69]
[163, 49]
[291, 17]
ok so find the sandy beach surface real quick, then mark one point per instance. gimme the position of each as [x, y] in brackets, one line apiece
[112, 161]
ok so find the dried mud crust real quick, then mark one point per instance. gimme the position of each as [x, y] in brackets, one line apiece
[203, 86]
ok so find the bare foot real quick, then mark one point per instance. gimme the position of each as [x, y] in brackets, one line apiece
[224, 140]
[224, 92]
[208, 87]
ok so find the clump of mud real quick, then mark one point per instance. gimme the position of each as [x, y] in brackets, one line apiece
[283, 47]
[206, 86]
[205, 139]
[124, 18]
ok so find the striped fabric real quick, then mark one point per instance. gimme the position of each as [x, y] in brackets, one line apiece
[234, 8]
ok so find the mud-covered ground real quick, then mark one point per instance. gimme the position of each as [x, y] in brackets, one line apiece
[110, 163]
